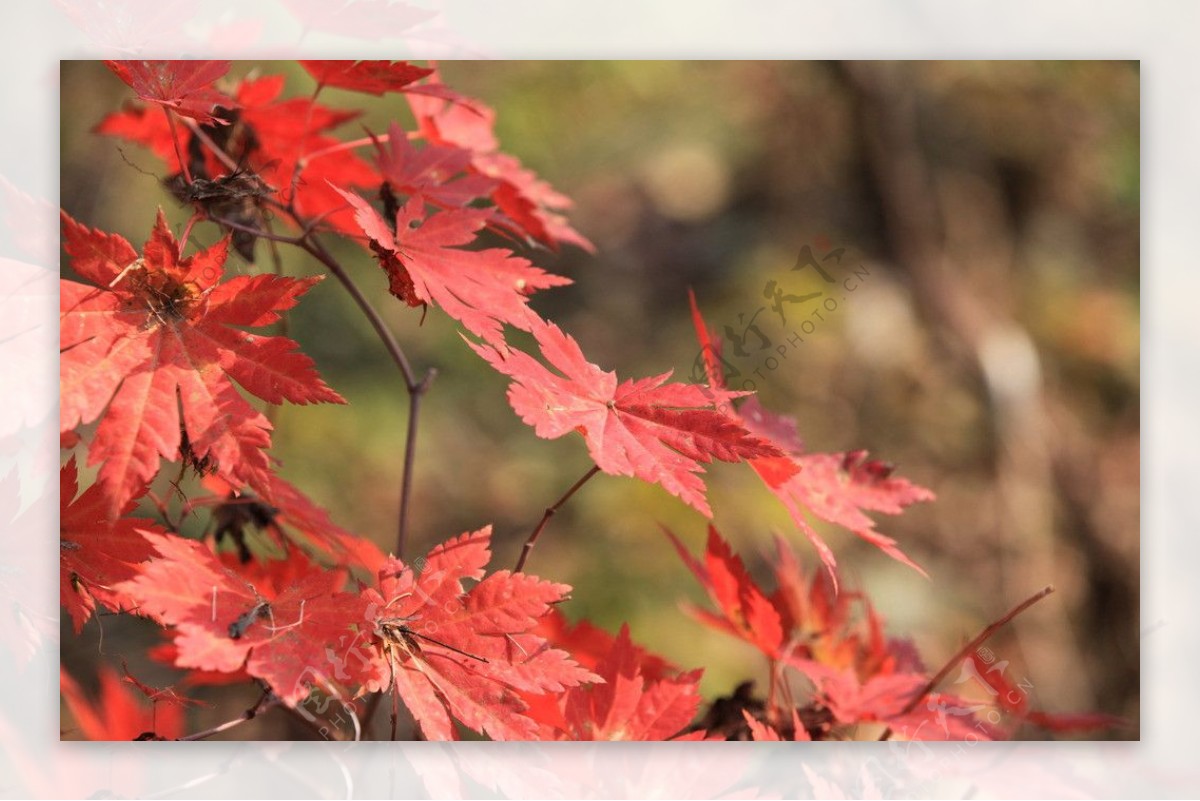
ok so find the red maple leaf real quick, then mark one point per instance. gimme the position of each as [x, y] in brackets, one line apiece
[145, 126]
[839, 488]
[285, 143]
[858, 675]
[155, 334]
[464, 654]
[657, 431]
[530, 205]
[167, 653]
[437, 173]
[884, 699]
[589, 644]
[630, 705]
[96, 553]
[746, 612]
[118, 714]
[851, 700]
[836, 487]
[832, 627]
[804, 622]
[468, 125]
[534, 206]
[275, 620]
[294, 152]
[372, 77]
[422, 256]
[184, 87]
[271, 577]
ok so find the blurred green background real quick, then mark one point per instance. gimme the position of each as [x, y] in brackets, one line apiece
[990, 348]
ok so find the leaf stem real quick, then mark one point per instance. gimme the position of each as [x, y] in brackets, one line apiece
[395, 714]
[268, 700]
[282, 326]
[410, 453]
[183, 165]
[270, 236]
[550, 512]
[772, 685]
[304, 161]
[318, 251]
[416, 388]
[187, 229]
[979, 640]
[369, 712]
[208, 142]
[297, 164]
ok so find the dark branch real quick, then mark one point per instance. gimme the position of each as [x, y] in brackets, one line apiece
[410, 455]
[979, 640]
[318, 251]
[550, 512]
[268, 700]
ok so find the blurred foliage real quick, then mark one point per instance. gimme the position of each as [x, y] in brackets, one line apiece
[714, 175]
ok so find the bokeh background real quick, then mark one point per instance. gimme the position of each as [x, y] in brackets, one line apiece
[990, 347]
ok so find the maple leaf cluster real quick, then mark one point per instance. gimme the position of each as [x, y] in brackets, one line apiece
[857, 682]
[838, 488]
[167, 357]
[149, 349]
[423, 234]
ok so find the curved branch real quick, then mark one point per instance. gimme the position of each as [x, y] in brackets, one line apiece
[550, 512]
[318, 251]
[259, 232]
[268, 700]
[979, 640]
[415, 388]
[410, 455]
[212, 146]
[183, 165]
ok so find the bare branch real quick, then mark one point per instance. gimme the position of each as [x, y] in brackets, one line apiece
[550, 512]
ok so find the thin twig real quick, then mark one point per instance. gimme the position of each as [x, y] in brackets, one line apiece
[161, 506]
[187, 229]
[410, 453]
[183, 165]
[415, 388]
[395, 714]
[282, 326]
[979, 640]
[312, 724]
[276, 265]
[268, 700]
[213, 147]
[369, 711]
[550, 511]
[318, 251]
[259, 232]
[341, 146]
